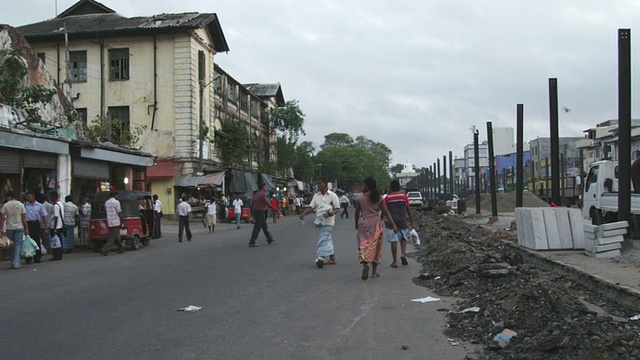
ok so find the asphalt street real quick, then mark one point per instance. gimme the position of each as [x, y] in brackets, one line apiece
[269, 302]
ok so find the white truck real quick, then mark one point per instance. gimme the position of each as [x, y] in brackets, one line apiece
[600, 194]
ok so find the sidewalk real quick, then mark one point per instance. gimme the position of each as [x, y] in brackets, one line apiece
[621, 272]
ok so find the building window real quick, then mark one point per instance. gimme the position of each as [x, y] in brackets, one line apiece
[82, 115]
[119, 64]
[42, 57]
[217, 82]
[78, 66]
[202, 73]
[243, 102]
[119, 116]
[231, 93]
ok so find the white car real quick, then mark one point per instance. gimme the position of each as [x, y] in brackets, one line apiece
[415, 198]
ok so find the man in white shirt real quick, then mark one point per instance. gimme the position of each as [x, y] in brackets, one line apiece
[344, 204]
[57, 225]
[237, 207]
[183, 211]
[326, 204]
[211, 207]
[157, 217]
[115, 221]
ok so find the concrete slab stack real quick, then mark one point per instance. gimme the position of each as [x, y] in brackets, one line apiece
[604, 241]
[550, 228]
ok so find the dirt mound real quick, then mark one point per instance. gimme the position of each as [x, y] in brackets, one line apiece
[506, 202]
[555, 314]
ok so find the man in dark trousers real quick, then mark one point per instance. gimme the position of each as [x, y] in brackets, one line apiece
[36, 219]
[259, 206]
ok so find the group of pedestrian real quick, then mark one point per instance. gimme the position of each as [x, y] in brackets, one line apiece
[51, 221]
[370, 208]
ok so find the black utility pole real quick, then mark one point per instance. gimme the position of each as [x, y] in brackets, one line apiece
[430, 182]
[451, 171]
[444, 176]
[555, 140]
[492, 170]
[438, 181]
[624, 124]
[476, 157]
[519, 153]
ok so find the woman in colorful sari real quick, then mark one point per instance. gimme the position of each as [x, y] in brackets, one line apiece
[369, 226]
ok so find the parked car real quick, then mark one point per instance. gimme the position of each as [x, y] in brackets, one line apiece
[415, 198]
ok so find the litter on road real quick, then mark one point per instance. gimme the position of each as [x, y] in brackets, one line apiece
[426, 299]
[190, 308]
[471, 309]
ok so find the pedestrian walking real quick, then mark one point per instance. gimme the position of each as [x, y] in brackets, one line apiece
[237, 208]
[211, 207]
[157, 217]
[83, 223]
[298, 202]
[369, 226]
[57, 224]
[13, 217]
[36, 215]
[274, 204]
[259, 206]
[183, 210]
[115, 222]
[398, 205]
[344, 204]
[326, 204]
[224, 204]
[70, 216]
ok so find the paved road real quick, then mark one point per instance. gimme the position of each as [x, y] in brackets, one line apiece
[269, 302]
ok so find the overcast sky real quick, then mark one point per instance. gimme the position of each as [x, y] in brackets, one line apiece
[415, 75]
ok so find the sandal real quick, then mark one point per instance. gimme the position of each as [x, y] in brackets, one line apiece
[365, 272]
[375, 275]
[394, 265]
[404, 260]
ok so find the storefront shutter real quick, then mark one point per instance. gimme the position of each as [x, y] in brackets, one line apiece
[38, 160]
[9, 162]
[90, 169]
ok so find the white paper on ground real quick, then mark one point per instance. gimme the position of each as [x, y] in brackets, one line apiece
[190, 308]
[471, 309]
[426, 299]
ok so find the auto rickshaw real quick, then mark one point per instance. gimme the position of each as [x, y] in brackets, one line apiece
[137, 211]
[246, 210]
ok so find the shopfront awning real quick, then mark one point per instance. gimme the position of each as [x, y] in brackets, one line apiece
[164, 169]
[214, 179]
[116, 156]
[189, 181]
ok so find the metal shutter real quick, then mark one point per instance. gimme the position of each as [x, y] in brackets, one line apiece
[90, 169]
[9, 162]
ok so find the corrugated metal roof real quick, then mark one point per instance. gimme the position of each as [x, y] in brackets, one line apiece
[113, 24]
[267, 90]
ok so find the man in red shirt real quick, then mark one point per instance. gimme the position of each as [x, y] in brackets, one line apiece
[259, 206]
[398, 205]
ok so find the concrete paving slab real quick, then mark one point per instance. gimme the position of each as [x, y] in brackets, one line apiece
[615, 225]
[540, 241]
[590, 235]
[551, 227]
[609, 233]
[604, 255]
[564, 228]
[610, 240]
[577, 228]
[603, 248]
[593, 229]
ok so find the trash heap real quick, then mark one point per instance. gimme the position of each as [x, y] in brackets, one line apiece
[522, 307]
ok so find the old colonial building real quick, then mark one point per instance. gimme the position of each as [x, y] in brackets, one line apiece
[152, 84]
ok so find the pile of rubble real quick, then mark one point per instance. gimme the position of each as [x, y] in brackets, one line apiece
[506, 290]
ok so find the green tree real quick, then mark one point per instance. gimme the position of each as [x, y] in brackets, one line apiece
[233, 143]
[397, 168]
[378, 149]
[305, 166]
[349, 164]
[117, 131]
[286, 150]
[337, 139]
[13, 89]
[288, 120]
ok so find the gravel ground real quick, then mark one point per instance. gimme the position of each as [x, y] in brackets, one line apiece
[555, 313]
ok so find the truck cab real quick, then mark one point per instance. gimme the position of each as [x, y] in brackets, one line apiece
[600, 193]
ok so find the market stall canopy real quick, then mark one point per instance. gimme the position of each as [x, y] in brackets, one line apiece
[214, 179]
[189, 181]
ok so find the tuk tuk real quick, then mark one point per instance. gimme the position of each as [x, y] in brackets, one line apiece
[137, 211]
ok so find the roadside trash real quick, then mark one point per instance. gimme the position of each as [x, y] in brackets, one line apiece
[437, 278]
[504, 337]
[190, 308]
[635, 317]
[414, 238]
[405, 347]
[426, 299]
[471, 309]
[453, 342]
[501, 337]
